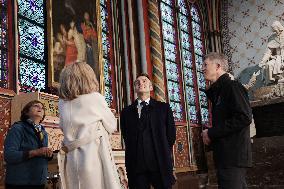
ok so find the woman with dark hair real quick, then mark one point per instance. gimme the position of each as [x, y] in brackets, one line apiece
[25, 150]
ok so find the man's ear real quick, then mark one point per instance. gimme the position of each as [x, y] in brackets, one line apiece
[151, 87]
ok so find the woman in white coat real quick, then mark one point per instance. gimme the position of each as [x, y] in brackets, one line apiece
[85, 160]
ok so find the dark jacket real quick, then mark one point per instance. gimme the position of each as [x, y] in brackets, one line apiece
[163, 135]
[20, 170]
[231, 118]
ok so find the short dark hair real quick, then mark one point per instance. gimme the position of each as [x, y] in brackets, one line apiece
[26, 109]
[145, 75]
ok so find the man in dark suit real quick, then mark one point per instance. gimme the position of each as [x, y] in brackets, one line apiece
[149, 134]
[229, 135]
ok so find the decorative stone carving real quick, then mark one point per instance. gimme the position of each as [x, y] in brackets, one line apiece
[272, 62]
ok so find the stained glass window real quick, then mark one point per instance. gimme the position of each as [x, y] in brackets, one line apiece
[183, 51]
[4, 45]
[198, 54]
[32, 45]
[172, 65]
[108, 71]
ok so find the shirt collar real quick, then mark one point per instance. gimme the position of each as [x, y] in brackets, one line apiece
[147, 101]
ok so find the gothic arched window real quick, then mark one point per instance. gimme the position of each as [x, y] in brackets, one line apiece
[32, 45]
[183, 51]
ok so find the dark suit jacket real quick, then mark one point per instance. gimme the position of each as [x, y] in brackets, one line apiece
[163, 134]
[231, 118]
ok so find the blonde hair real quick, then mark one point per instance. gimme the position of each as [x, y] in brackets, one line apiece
[77, 79]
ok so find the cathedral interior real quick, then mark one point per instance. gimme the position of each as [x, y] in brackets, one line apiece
[167, 39]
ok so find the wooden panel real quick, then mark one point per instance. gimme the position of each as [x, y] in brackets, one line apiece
[181, 148]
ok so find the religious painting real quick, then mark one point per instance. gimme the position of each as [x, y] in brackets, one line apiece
[74, 35]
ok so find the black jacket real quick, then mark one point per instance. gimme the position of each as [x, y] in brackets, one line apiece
[163, 135]
[231, 118]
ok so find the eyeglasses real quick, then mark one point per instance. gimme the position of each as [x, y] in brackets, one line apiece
[38, 106]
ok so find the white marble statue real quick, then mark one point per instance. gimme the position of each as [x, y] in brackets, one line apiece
[272, 62]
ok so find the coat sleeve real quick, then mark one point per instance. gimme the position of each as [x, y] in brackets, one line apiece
[122, 124]
[170, 126]
[108, 119]
[12, 144]
[239, 110]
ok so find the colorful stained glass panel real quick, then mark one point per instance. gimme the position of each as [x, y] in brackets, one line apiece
[188, 74]
[182, 6]
[32, 9]
[202, 98]
[4, 29]
[204, 116]
[193, 114]
[185, 40]
[198, 62]
[198, 47]
[31, 39]
[104, 15]
[201, 80]
[187, 58]
[170, 51]
[107, 69]
[190, 95]
[167, 13]
[174, 91]
[177, 111]
[168, 32]
[32, 75]
[169, 2]
[172, 71]
[108, 94]
[194, 14]
[105, 44]
[196, 30]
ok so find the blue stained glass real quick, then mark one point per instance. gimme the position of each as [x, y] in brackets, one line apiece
[32, 75]
[107, 69]
[32, 9]
[188, 74]
[103, 2]
[174, 91]
[193, 114]
[194, 14]
[196, 30]
[177, 111]
[183, 21]
[169, 2]
[104, 16]
[182, 5]
[201, 80]
[198, 62]
[3, 69]
[31, 39]
[167, 13]
[187, 58]
[172, 71]
[170, 51]
[204, 116]
[190, 95]
[168, 32]
[202, 98]
[185, 40]
[3, 3]
[105, 44]
[4, 29]
[198, 46]
[108, 95]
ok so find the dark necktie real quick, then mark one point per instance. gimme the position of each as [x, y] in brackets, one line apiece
[143, 109]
